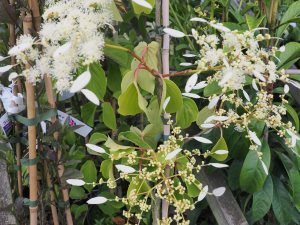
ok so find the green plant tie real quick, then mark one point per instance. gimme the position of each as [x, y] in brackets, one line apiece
[29, 162]
[34, 121]
[30, 203]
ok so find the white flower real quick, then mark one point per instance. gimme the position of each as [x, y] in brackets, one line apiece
[24, 42]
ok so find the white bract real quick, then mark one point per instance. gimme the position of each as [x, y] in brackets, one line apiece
[203, 140]
[167, 101]
[254, 137]
[218, 165]
[91, 96]
[174, 33]
[75, 182]
[221, 152]
[191, 95]
[97, 201]
[219, 191]
[191, 82]
[143, 3]
[125, 169]
[80, 82]
[202, 193]
[173, 154]
[95, 148]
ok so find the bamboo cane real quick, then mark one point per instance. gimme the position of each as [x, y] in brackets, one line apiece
[36, 16]
[60, 167]
[31, 113]
[166, 70]
[16, 89]
[51, 195]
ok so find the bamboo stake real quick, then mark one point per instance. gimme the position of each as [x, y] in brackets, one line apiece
[51, 195]
[156, 201]
[31, 113]
[16, 89]
[60, 167]
[166, 70]
[36, 16]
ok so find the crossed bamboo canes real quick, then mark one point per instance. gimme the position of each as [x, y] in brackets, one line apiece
[29, 23]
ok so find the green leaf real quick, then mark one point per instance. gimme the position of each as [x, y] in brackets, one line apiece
[174, 93]
[262, 201]
[114, 147]
[89, 172]
[293, 114]
[88, 111]
[117, 55]
[282, 206]
[253, 22]
[253, 176]
[193, 188]
[115, 12]
[290, 55]
[212, 88]
[79, 211]
[220, 145]
[97, 137]
[187, 114]
[98, 80]
[138, 9]
[77, 193]
[134, 138]
[108, 115]
[106, 169]
[292, 12]
[153, 112]
[114, 77]
[203, 115]
[139, 186]
[128, 102]
[110, 208]
[294, 177]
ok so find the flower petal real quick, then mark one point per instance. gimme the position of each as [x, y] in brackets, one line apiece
[247, 97]
[254, 85]
[259, 76]
[186, 64]
[81, 81]
[91, 96]
[188, 55]
[143, 3]
[198, 19]
[207, 125]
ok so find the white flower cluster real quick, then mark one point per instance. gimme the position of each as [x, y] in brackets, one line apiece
[72, 37]
[242, 61]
